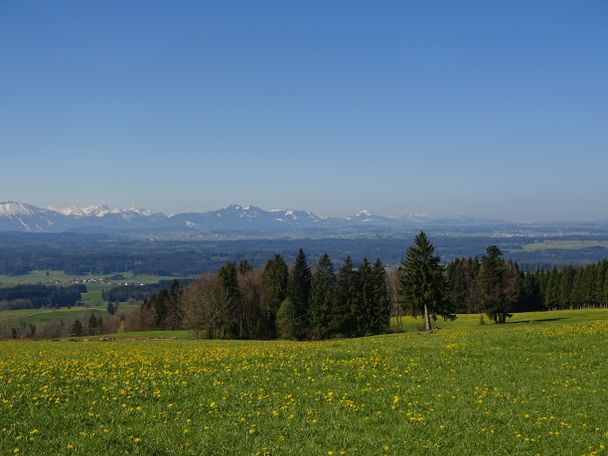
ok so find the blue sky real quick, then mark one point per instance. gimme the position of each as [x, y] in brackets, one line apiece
[495, 109]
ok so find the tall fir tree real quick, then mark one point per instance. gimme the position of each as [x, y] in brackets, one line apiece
[363, 305]
[497, 293]
[321, 296]
[421, 282]
[160, 304]
[342, 321]
[298, 292]
[274, 291]
[232, 312]
[381, 310]
[175, 313]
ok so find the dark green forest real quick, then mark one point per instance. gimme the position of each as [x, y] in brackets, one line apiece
[317, 302]
[37, 296]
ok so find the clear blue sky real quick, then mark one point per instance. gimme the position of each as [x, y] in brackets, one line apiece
[496, 109]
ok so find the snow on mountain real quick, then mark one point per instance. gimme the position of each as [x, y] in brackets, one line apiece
[234, 220]
[367, 217]
[363, 213]
[14, 208]
[100, 210]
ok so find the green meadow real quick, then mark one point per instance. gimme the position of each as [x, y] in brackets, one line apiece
[536, 385]
[95, 283]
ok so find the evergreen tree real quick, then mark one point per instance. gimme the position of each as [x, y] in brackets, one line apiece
[92, 323]
[160, 303]
[344, 297]
[497, 293]
[552, 290]
[380, 312]
[298, 292]
[321, 295]
[364, 303]
[110, 309]
[175, 314]
[232, 312]
[421, 282]
[457, 284]
[605, 292]
[579, 288]
[566, 285]
[531, 296]
[77, 328]
[274, 291]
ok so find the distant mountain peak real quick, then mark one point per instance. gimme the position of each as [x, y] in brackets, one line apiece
[15, 208]
[100, 210]
[363, 213]
[233, 220]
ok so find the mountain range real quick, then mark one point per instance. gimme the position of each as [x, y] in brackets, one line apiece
[234, 221]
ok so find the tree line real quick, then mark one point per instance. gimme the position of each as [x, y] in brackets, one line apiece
[312, 303]
[569, 287]
[136, 292]
[301, 302]
[37, 296]
[316, 302]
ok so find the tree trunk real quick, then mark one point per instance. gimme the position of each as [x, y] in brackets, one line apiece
[427, 320]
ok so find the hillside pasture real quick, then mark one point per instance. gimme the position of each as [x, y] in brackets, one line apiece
[519, 388]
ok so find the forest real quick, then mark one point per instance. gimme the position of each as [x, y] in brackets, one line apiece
[37, 296]
[320, 301]
[315, 302]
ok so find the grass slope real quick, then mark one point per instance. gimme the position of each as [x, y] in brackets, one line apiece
[95, 283]
[37, 316]
[520, 388]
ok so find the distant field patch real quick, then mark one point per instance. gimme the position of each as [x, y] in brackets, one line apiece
[37, 316]
[95, 283]
[563, 245]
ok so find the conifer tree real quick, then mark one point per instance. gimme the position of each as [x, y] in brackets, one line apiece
[77, 328]
[566, 285]
[175, 314]
[232, 312]
[345, 295]
[321, 295]
[421, 282]
[160, 303]
[363, 305]
[92, 324]
[298, 292]
[496, 288]
[381, 309]
[274, 285]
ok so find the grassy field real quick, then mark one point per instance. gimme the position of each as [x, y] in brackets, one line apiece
[564, 245]
[534, 387]
[95, 283]
[37, 316]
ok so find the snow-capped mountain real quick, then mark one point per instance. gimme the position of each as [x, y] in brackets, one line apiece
[15, 216]
[99, 210]
[249, 218]
[366, 217]
[234, 220]
[15, 209]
